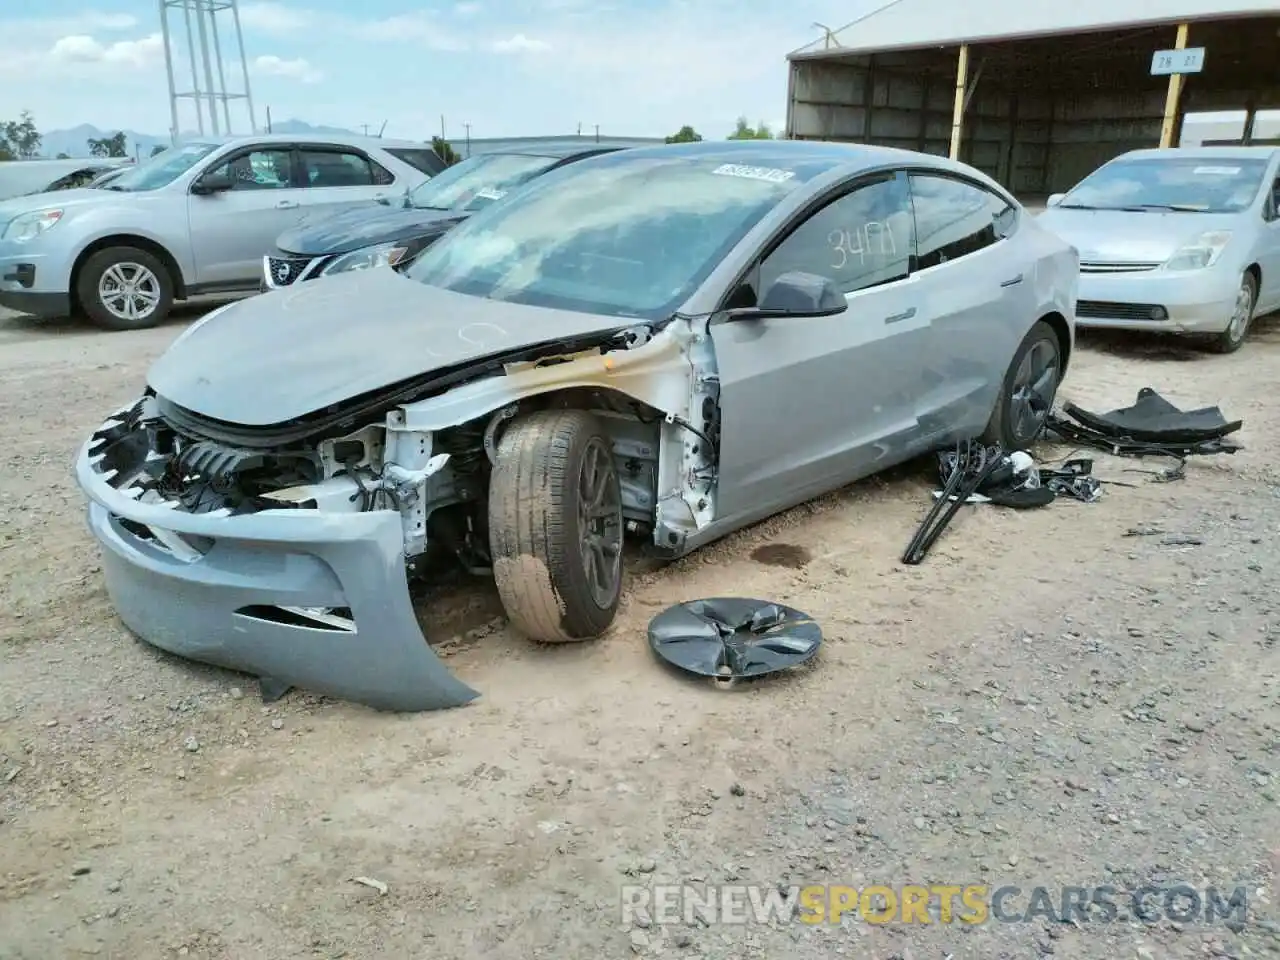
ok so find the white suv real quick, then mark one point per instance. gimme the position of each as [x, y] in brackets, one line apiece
[195, 219]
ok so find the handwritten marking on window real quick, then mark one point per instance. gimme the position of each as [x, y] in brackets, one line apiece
[874, 238]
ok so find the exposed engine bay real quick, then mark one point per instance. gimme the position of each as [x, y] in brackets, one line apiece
[425, 448]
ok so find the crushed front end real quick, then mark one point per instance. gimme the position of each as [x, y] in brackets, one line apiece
[285, 560]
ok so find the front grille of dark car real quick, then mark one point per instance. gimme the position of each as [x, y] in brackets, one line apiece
[285, 270]
[1105, 310]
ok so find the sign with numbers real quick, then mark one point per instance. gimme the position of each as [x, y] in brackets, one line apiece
[1166, 62]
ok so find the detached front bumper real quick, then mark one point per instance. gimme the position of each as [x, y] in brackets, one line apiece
[1197, 301]
[241, 592]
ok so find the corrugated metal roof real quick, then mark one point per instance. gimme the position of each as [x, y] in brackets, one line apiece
[906, 24]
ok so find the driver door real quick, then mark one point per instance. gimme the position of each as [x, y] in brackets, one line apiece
[233, 230]
[811, 403]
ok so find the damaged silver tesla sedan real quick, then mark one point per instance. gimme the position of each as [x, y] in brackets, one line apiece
[673, 341]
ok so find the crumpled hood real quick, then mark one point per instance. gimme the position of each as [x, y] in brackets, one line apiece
[364, 226]
[294, 351]
[1122, 236]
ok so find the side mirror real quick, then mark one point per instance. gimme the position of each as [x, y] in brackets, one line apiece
[212, 183]
[1054, 199]
[796, 294]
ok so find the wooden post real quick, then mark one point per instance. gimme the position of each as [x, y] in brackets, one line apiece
[957, 113]
[1170, 124]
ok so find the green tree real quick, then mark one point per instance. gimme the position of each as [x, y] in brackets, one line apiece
[444, 151]
[63, 156]
[19, 139]
[112, 146]
[685, 134]
[158, 148]
[744, 131]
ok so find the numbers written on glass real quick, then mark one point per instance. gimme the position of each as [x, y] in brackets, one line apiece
[872, 239]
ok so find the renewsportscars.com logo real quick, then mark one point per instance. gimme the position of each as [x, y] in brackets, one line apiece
[969, 904]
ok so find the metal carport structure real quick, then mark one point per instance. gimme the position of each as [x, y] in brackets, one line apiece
[1036, 96]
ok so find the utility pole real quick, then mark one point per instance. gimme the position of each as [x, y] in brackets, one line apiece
[268, 119]
[467, 127]
[597, 133]
[442, 136]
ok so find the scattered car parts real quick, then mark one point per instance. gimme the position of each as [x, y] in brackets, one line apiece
[1151, 426]
[733, 638]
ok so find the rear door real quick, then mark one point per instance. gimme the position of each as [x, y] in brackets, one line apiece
[232, 231]
[339, 177]
[976, 285]
[810, 403]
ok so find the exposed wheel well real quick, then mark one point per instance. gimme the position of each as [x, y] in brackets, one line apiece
[1256, 270]
[128, 240]
[1060, 327]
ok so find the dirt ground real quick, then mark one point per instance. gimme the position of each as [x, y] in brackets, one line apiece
[1045, 702]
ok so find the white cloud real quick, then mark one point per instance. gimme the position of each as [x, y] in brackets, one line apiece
[520, 44]
[275, 18]
[468, 8]
[417, 28]
[84, 49]
[297, 69]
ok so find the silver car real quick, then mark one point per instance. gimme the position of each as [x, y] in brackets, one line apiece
[677, 340]
[195, 219]
[1177, 241]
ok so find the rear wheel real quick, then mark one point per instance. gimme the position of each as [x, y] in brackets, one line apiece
[1232, 339]
[555, 526]
[124, 288]
[1028, 391]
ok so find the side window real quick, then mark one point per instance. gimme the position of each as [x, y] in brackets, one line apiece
[955, 218]
[340, 168]
[1271, 210]
[860, 240]
[424, 161]
[260, 170]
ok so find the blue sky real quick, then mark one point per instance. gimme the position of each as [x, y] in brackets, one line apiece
[507, 67]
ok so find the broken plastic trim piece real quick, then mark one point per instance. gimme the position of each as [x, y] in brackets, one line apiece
[732, 638]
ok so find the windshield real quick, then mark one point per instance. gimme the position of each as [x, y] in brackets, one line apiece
[162, 169]
[620, 235]
[1199, 185]
[477, 181]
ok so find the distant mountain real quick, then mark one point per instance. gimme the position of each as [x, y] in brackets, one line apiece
[75, 142]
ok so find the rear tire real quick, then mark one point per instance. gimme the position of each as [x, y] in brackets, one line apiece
[1028, 390]
[1232, 339]
[124, 288]
[555, 526]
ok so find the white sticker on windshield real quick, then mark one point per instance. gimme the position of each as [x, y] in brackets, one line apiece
[1217, 171]
[490, 193]
[771, 174]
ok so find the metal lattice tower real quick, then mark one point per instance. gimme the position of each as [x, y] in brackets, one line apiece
[204, 53]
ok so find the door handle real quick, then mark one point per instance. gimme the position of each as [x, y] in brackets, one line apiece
[899, 317]
[287, 205]
[1012, 281]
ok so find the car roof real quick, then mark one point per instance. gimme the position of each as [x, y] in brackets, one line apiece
[827, 155]
[344, 139]
[558, 151]
[1203, 153]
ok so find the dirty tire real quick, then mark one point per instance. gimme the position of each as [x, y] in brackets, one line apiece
[90, 280]
[537, 533]
[1232, 339]
[1003, 427]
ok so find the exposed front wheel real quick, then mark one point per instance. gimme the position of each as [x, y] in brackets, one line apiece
[555, 526]
[124, 288]
[1028, 391]
[1232, 339]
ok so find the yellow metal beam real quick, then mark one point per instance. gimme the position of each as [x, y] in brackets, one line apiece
[1171, 98]
[957, 113]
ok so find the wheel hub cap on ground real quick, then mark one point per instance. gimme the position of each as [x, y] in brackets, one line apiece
[129, 291]
[734, 637]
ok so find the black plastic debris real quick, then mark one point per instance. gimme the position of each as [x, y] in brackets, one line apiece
[732, 638]
[966, 473]
[1152, 426]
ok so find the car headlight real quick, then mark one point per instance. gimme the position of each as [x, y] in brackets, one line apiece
[1201, 252]
[28, 226]
[383, 255]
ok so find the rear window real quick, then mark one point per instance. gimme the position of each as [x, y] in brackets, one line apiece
[423, 160]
